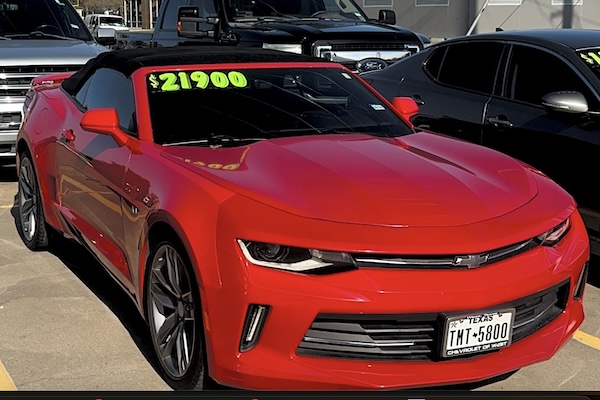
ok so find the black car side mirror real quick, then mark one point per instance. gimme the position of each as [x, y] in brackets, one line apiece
[387, 17]
[565, 102]
[191, 24]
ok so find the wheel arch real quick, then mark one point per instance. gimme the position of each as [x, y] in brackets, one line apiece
[162, 226]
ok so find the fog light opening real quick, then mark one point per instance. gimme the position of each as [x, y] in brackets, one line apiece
[253, 325]
[580, 287]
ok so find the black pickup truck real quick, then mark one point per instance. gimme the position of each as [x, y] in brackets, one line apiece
[337, 30]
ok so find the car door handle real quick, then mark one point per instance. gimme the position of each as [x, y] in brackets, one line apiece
[67, 135]
[498, 122]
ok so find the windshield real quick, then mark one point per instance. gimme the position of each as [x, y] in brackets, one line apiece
[257, 9]
[50, 17]
[192, 107]
[591, 57]
[112, 21]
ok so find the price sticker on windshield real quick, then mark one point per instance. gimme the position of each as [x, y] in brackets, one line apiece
[189, 80]
[591, 57]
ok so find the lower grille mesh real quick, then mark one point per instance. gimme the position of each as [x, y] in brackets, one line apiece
[409, 337]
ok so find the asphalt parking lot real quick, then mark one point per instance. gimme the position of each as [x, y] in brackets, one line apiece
[64, 325]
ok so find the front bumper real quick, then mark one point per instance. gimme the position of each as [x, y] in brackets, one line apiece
[296, 300]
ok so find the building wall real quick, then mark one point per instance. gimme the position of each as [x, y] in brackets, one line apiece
[449, 18]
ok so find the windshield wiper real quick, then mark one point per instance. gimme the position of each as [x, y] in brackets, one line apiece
[37, 35]
[270, 7]
[217, 141]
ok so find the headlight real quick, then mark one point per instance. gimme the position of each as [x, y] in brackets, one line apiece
[290, 48]
[295, 259]
[554, 235]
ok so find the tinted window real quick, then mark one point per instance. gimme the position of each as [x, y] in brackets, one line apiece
[297, 8]
[206, 8]
[434, 62]
[111, 89]
[170, 19]
[195, 106]
[533, 73]
[471, 66]
[80, 96]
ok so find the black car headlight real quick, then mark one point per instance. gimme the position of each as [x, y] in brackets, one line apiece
[295, 259]
[555, 234]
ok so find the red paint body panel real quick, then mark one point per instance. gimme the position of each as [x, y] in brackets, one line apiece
[420, 194]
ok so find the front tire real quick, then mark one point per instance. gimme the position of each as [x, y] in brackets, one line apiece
[31, 219]
[175, 318]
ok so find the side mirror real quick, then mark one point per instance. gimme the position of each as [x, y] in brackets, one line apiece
[191, 24]
[565, 102]
[406, 107]
[387, 17]
[106, 36]
[104, 121]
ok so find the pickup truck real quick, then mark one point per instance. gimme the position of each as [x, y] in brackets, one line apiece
[337, 30]
[36, 37]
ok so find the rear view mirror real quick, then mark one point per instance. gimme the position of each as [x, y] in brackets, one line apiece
[191, 24]
[387, 17]
[565, 102]
[406, 107]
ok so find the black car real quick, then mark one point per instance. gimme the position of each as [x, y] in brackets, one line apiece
[533, 94]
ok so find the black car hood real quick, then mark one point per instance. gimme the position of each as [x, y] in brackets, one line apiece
[311, 29]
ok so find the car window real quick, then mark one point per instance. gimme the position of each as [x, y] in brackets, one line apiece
[57, 17]
[533, 73]
[434, 62]
[471, 66]
[111, 89]
[81, 93]
[206, 8]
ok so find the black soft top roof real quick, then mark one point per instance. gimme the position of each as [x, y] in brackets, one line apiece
[129, 61]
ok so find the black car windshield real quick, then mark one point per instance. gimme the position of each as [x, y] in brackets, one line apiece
[256, 9]
[41, 19]
[591, 57]
[202, 107]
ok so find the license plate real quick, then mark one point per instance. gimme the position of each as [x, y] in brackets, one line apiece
[478, 333]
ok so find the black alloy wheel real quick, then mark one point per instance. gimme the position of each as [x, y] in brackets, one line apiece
[31, 223]
[175, 318]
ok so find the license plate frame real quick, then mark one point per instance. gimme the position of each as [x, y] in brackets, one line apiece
[470, 322]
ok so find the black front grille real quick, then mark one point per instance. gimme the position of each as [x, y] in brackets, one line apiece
[455, 261]
[371, 46]
[406, 337]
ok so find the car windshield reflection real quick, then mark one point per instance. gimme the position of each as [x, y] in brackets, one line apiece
[197, 107]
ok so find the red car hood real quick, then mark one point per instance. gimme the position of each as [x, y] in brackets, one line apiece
[418, 180]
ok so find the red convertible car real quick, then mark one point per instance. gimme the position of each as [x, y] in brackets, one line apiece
[280, 225]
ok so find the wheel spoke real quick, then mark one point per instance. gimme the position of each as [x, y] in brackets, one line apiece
[162, 284]
[166, 349]
[173, 270]
[26, 188]
[167, 328]
[179, 350]
[183, 355]
[27, 206]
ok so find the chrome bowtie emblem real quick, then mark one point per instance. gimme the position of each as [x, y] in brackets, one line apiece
[470, 261]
